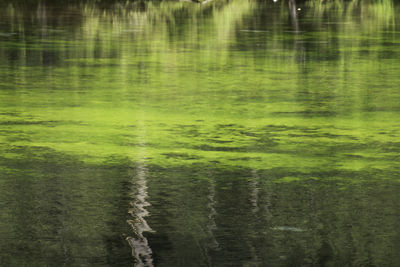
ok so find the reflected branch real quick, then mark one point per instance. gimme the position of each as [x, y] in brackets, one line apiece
[293, 14]
[139, 243]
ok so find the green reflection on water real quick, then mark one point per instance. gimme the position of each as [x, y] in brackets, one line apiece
[260, 112]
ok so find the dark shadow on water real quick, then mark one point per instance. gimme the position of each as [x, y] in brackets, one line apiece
[59, 211]
[194, 214]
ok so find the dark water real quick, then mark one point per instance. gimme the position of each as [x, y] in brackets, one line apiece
[233, 133]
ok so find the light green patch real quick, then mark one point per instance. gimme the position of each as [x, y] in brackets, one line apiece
[288, 179]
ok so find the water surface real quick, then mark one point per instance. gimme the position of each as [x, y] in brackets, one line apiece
[233, 133]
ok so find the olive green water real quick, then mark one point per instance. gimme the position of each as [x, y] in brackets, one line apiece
[233, 133]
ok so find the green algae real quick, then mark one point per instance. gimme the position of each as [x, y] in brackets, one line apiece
[239, 122]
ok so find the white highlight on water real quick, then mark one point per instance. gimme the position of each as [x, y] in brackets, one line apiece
[139, 243]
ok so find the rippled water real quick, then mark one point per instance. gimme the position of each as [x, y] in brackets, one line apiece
[231, 133]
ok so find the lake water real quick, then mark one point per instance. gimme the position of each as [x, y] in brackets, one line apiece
[231, 133]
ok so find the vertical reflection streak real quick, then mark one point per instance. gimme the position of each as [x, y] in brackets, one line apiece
[141, 250]
[140, 246]
[211, 226]
[255, 188]
[293, 14]
[254, 199]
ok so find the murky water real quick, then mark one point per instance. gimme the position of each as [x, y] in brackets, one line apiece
[233, 133]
